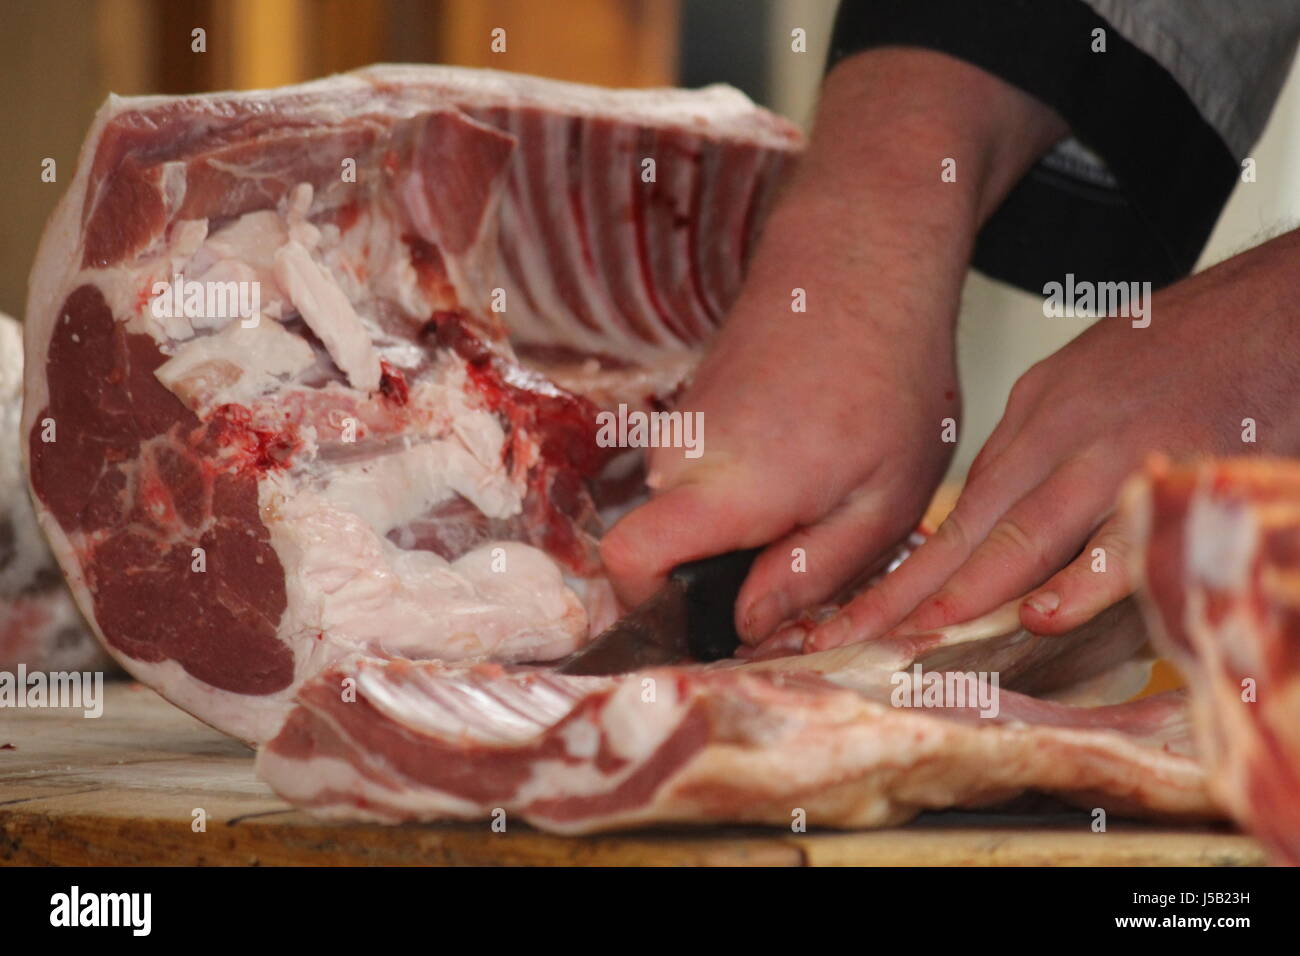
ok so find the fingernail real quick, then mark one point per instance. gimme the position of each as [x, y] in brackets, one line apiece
[766, 613]
[1044, 602]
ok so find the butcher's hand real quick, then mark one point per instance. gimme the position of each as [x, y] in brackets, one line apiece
[1216, 372]
[829, 392]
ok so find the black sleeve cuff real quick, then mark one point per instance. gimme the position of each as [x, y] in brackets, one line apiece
[1170, 171]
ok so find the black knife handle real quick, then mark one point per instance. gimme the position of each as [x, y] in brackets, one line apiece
[711, 586]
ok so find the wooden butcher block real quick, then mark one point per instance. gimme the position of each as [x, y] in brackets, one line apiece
[125, 788]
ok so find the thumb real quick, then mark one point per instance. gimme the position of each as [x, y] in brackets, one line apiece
[695, 519]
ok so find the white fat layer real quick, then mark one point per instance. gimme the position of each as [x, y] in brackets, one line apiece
[257, 718]
[306, 780]
[252, 239]
[175, 184]
[243, 251]
[464, 456]
[581, 739]
[391, 491]
[329, 314]
[186, 239]
[236, 365]
[371, 259]
[362, 593]
[639, 718]
[1221, 543]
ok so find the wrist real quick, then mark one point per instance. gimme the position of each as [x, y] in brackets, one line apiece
[925, 129]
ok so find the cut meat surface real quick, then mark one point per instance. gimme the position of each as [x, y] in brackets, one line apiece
[1221, 563]
[584, 754]
[39, 625]
[274, 416]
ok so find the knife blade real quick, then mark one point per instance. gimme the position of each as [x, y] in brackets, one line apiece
[691, 618]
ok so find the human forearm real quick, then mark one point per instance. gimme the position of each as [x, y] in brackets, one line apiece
[869, 206]
[887, 117]
[869, 228]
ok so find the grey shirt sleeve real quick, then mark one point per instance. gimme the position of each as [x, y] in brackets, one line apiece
[1159, 120]
[1231, 56]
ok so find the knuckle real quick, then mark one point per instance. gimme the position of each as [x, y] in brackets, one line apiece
[1008, 534]
[1011, 539]
[865, 608]
[1116, 543]
[954, 533]
[1024, 389]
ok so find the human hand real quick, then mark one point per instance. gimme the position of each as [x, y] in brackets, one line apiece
[825, 429]
[1222, 347]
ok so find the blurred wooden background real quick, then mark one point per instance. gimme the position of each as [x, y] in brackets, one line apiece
[260, 43]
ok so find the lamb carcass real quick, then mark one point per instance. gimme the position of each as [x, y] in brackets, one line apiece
[243, 491]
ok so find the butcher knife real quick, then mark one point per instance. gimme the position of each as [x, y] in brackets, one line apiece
[691, 618]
